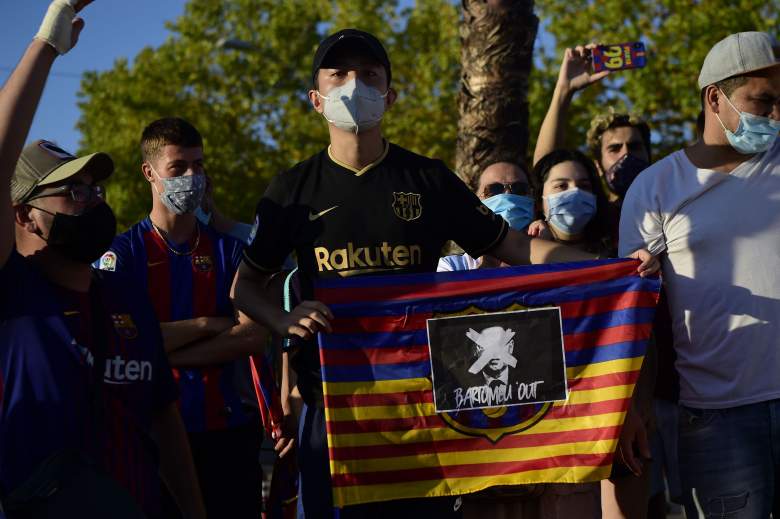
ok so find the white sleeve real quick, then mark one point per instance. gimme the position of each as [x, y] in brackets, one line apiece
[445, 264]
[641, 225]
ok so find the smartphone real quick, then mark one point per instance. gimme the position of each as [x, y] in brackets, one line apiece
[619, 56]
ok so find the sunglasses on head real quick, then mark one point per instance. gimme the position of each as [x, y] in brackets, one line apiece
[514, 188]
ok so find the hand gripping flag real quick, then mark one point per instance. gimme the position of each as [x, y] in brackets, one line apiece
[386, 440]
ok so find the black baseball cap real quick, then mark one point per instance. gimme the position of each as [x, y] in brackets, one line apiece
[367, 41]
[43, 163]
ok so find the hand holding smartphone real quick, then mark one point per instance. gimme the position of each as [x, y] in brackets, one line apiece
[619, 56]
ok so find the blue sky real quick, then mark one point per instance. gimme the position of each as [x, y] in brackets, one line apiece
[114, 29]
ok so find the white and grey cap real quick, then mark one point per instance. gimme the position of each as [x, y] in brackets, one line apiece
[738, 54]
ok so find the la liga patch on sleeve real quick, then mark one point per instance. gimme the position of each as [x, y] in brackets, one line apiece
[108, 261]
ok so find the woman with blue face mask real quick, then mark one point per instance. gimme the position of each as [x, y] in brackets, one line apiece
[504, 188]
[571, 203]
[571, 200]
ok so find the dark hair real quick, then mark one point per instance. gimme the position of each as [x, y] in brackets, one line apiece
[473, 183]
[727, 86]
[611, 120]
[596, 231]
[169, 130]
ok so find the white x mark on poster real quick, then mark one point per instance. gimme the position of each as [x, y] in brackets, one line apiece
[492, 344]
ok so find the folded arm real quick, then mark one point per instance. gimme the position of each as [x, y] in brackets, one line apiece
[181, 334]
[239, 341]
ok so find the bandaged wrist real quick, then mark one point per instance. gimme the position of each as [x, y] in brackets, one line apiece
[57, 25]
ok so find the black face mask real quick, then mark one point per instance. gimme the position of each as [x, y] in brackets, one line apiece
[623, 172]
[82, 237]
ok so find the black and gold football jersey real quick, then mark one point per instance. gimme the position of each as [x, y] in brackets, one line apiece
[392, 216]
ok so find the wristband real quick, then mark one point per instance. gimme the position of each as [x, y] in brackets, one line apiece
[57, 26]
[288, 342]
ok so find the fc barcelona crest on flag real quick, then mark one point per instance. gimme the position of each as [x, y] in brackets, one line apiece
[507, 366]
[124, 326]
[202, 263]
[407, 206]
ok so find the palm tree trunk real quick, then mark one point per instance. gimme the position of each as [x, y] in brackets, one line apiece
[497, 40]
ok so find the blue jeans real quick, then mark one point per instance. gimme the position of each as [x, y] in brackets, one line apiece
[729, 457]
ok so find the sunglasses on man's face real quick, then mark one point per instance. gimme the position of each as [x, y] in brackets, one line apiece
[514, 188]
[81, 193]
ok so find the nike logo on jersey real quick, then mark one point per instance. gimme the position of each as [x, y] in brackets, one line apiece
[313, 216]
[154, 263]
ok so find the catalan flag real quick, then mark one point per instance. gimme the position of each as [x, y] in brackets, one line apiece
[386, 441]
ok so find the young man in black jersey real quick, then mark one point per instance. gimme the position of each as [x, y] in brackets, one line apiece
[362, 206]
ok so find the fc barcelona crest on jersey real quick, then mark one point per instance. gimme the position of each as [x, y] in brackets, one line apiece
[407, 206]
[202, 263]
[124, 326]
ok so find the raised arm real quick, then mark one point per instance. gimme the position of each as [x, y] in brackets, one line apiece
[20, 95]
[575, 74]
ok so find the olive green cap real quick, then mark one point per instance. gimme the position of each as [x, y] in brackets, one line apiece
[43, 163]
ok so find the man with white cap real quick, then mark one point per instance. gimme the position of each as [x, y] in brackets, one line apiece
[713, 211]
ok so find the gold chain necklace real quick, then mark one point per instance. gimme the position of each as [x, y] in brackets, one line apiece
[165, 241]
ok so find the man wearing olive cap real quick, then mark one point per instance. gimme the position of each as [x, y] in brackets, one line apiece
[84, 382]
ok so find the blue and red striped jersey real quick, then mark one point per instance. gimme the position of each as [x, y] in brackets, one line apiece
[47, 350]
[186, 286]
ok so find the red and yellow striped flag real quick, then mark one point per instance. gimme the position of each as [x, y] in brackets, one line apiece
[386, 441]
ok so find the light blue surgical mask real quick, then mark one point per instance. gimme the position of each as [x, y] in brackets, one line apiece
[571, 210]
[754, 133]
[517, 210]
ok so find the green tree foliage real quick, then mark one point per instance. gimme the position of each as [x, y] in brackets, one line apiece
[677, 33]
[251, 105]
